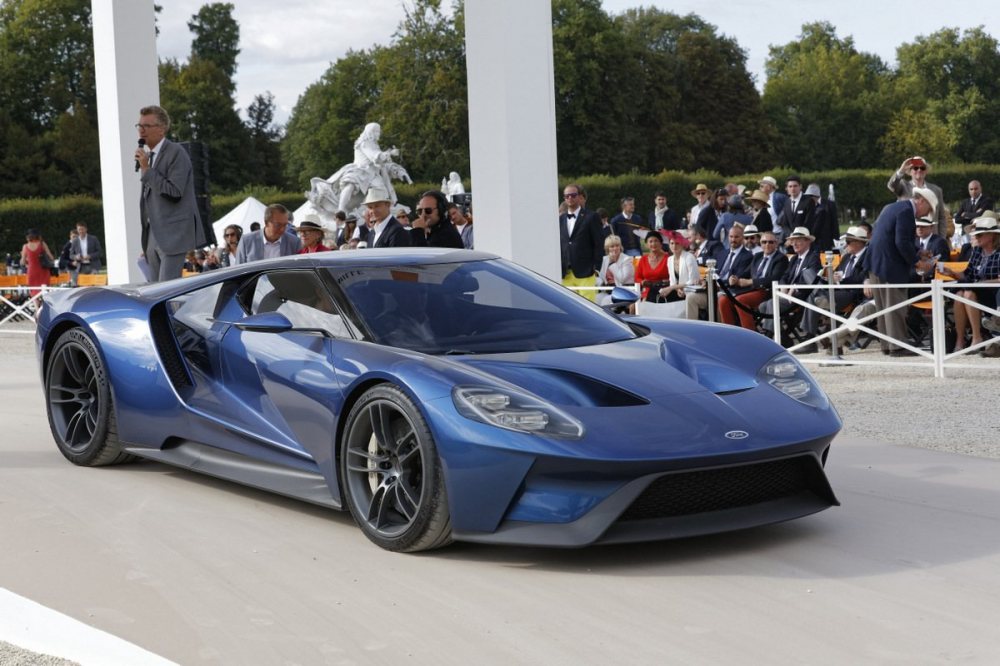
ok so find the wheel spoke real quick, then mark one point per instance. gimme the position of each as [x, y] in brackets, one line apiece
[378, 508]
[406, 501]
[76, 426]
[56, 392]
[72, 361]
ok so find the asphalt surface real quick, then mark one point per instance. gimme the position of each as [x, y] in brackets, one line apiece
[200, 571]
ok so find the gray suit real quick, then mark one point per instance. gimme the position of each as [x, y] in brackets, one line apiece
[251, 247]
[171, 224]
[93, 254]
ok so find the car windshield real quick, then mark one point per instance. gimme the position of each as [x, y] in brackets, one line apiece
[477, 307]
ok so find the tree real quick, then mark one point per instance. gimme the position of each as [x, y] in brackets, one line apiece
[265, 158]
[829, 103]
[216, 37]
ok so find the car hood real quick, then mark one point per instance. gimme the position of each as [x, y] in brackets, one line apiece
[619, 373]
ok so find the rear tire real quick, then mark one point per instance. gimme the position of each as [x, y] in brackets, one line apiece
[79, 404]
[391, 473]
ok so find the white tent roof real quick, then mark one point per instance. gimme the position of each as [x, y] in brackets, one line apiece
[251, 210]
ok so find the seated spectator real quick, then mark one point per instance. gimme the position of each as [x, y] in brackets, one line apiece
[652, 270]
[751, 239]
[929, 243]
[803, 268]
[852, 270]
[191, 264]
[682, 267]
[617, 269]
[734, 268]
[311, 234]
[706, 249]
[767, 266]
[463, 225]
[983, 269]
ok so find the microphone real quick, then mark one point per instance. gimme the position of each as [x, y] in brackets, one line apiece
[142, 142]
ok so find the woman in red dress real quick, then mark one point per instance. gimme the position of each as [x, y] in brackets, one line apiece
[653, 267]
[31, 256]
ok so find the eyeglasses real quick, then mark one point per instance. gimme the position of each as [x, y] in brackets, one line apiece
[425, 211]
[919, 168]
[767, 242]
[571, 195]
[145, 126]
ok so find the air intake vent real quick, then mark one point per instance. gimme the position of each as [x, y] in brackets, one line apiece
[166, 346]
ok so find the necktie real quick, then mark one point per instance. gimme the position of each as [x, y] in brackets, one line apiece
[762, 270]
[724, 275]
[849, 266]
[152, 154]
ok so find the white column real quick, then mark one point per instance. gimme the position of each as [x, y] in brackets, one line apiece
[512, 131]
[127, 80]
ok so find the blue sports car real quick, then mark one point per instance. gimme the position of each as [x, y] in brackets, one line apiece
[439, 395]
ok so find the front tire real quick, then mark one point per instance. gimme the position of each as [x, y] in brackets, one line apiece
[79, 405]
[393, 484]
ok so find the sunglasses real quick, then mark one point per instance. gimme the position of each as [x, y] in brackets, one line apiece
[571, 195]
[765, 242]
[919, 168]
[425, 211]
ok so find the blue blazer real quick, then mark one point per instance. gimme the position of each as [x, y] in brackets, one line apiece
[893, 250]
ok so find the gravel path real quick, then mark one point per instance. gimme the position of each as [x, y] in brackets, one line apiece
[875, 402]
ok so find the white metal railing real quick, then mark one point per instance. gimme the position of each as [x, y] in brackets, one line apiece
[23, 308]
[937, 357]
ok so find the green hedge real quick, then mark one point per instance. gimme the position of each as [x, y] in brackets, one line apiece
[855, 189]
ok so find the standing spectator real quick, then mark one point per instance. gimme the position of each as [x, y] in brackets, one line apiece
[767, 267]
[624, 224]
[36, 256]
[384, 230]
[226, 253]
[581, 240]
[191, 263]
[171, 224]
[983, 269]
[798, 208]
[662, 217]
[349, 232]
[700, 192]
[917, 169]
[710, 215]
[733, 216]
[971, 208]
[761, 217]
[86, 251]
[433, 227]
[775, 206]
[617, 269]
[823, 220]
[463, 225]
[311, 234]
[605, 223]
[892, 255]
[271, 241]
[66, 261]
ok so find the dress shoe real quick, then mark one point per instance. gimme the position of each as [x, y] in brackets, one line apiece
[902, 352]
[809, 349]
[991, 351]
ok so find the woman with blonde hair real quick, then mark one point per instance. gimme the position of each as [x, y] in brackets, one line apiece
[617, 269]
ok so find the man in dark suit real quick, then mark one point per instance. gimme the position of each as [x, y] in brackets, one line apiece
[85, 250]
[734, 267]
[433, 227]
[624, 224]
[168, 208]
[823, 221]
[751, 291]
[581, 240]
[929, 244]
[385, 230]
[710, 214]
[803, 268]
[798, 207]
[775, 206]
[850, 271]
[893, 251]
[661, 217]
[972, 207]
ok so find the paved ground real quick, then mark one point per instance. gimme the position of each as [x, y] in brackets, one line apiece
[205, 572]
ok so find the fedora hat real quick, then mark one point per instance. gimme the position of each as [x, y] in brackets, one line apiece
[376, 195]
[310, 221]
[971, 226]
[699, 188]
[925, 222]
[986, 225]
[768, 180]
[856, 234]
[928, 194]
[757, 195]
[801, 232]
[813, 190]
[751, 230]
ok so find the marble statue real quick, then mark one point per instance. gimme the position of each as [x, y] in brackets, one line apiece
[346, 189]
[452, 185]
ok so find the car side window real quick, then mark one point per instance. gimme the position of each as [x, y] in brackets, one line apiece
[302, 298]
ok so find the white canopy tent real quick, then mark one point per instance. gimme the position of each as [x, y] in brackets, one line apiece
[248, 212]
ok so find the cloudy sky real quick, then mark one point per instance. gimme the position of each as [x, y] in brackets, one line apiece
[287, 45]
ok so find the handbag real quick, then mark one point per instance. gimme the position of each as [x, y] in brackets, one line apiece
[44, 261]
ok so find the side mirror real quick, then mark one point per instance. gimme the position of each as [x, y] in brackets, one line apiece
[265, 322]
[623, 295]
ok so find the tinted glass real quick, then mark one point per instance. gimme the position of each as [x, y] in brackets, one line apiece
[300, 296]
[475, 307]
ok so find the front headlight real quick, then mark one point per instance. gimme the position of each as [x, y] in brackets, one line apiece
[787, 375]
[514, 410]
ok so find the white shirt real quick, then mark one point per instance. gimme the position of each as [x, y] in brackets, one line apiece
[571, 221]
[271, 250]
[83, 245]
[379, 228]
